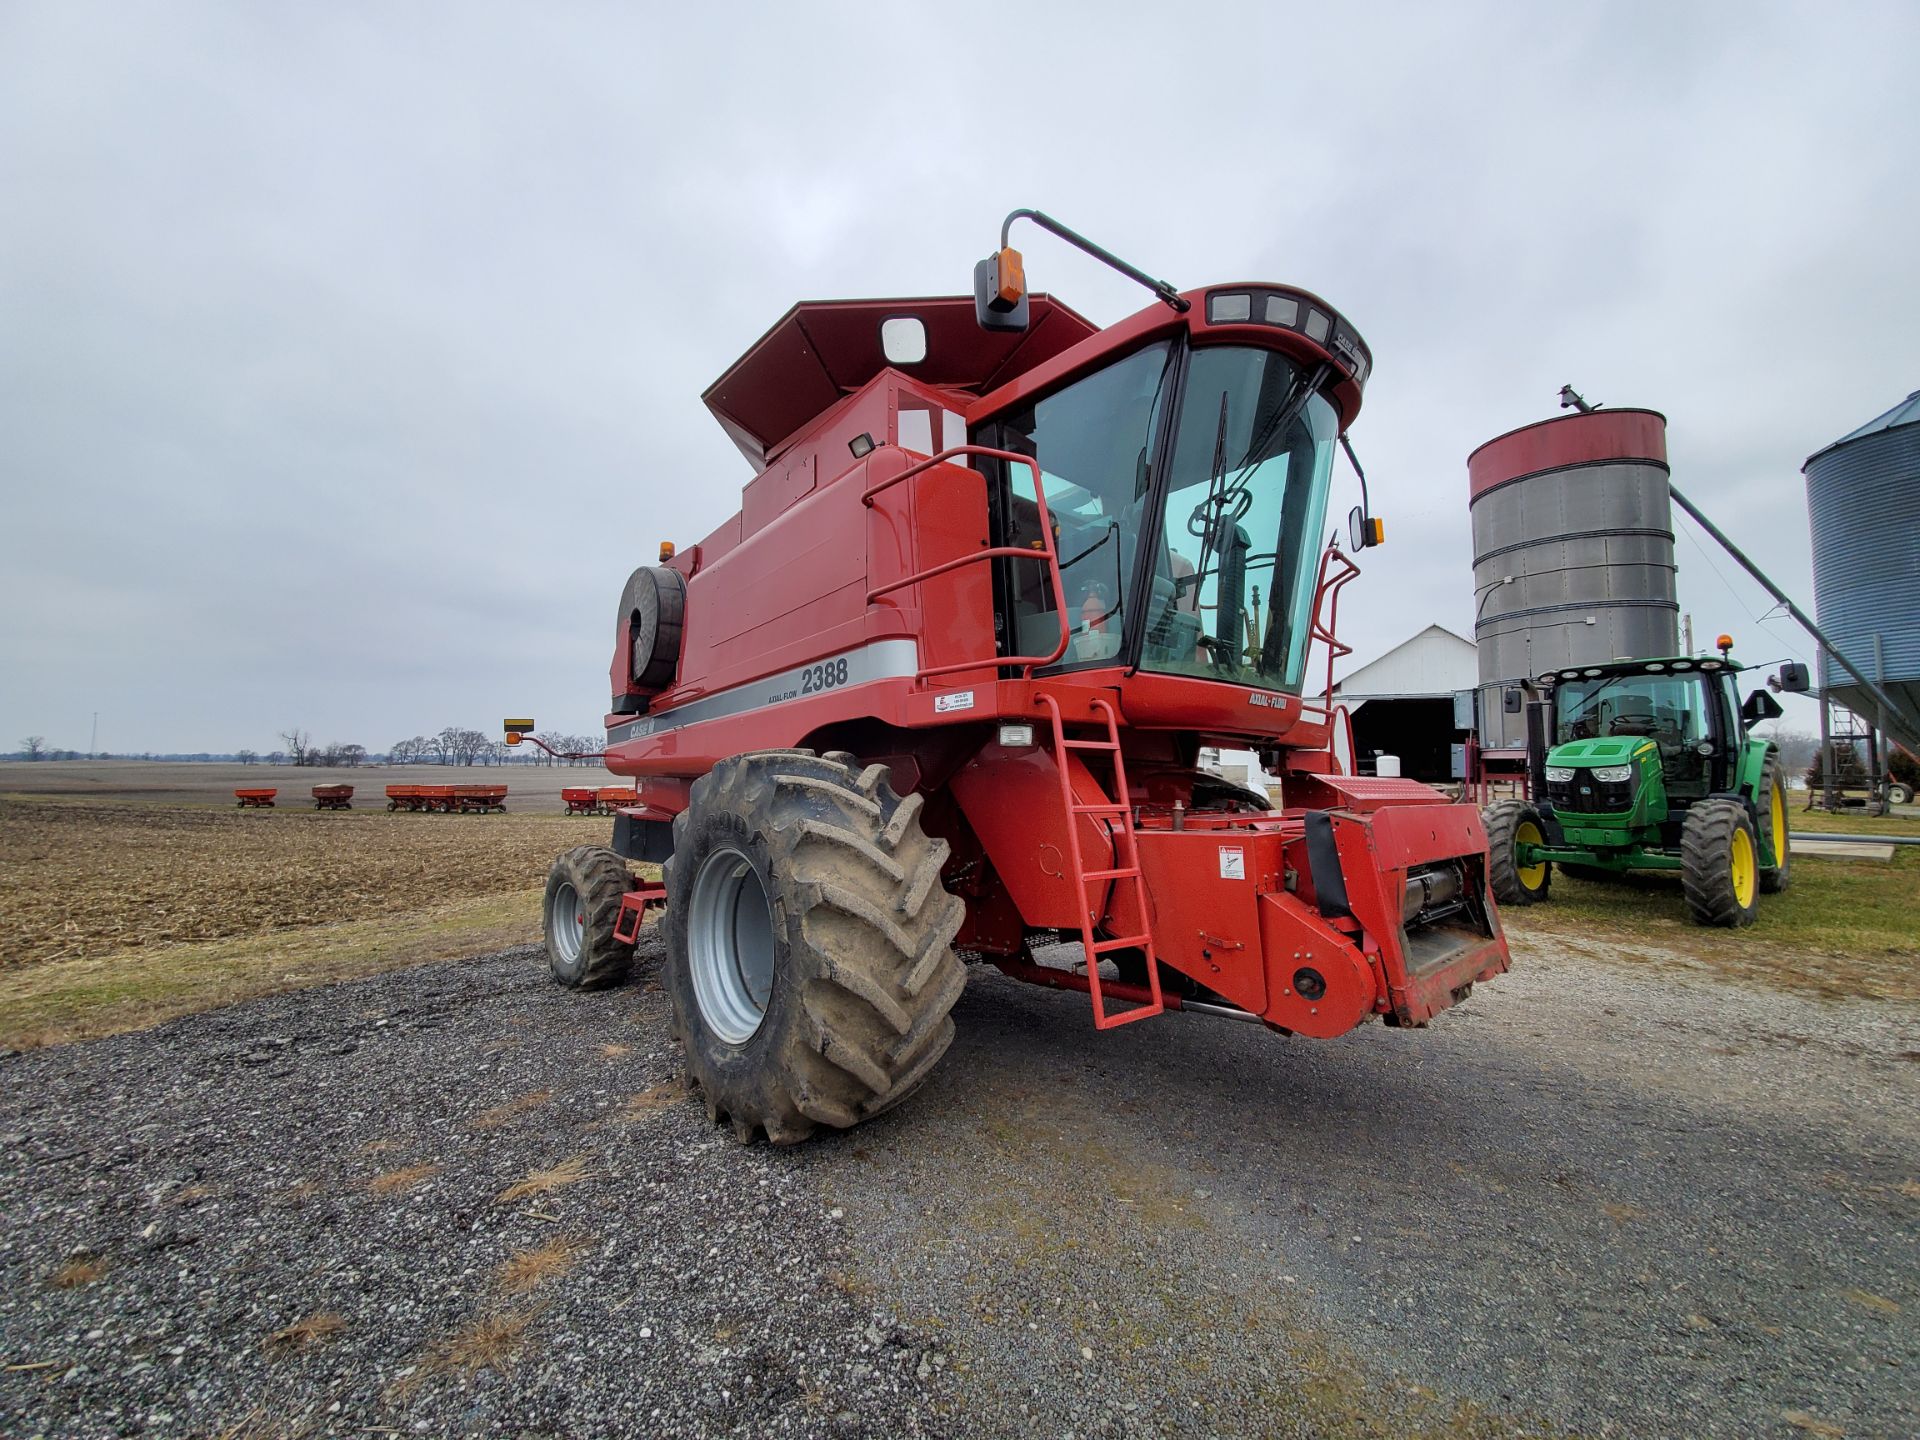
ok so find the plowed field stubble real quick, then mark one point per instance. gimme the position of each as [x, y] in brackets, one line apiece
[116, 914]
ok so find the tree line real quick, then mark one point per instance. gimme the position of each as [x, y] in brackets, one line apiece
[453, 745]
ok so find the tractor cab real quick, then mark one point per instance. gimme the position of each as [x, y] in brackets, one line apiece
[1650, 764]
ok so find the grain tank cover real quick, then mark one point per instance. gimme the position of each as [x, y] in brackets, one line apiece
[1863, 499]
[821, 350]
[1572, 552]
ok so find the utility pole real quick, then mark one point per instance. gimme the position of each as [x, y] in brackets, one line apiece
[1686, 634]
[93, 745]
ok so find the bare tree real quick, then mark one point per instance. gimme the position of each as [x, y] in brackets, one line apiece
[246, 757]
[351, 756]
[299, 745]
[34, 747]
[1797, 749]
[277, 757]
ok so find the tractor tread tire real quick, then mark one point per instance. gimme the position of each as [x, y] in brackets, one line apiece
[1502, 819]
[1776, 879]
[1706, 846]
[601, 879]
[865, 976]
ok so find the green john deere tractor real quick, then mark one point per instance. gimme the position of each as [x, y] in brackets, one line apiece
[1647, 765]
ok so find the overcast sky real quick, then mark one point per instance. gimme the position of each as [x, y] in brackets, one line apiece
[350, 355]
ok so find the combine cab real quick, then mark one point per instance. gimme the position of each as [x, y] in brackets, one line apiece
[937, 693]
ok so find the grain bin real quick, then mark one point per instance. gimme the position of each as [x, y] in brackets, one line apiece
[1572, 552]
[1863, 499]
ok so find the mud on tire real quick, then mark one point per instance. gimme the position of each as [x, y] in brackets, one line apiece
[582, 903]
[1710, 843]
[1506, 821]
[851, 1013]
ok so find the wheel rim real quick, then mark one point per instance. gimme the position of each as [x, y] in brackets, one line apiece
[566, 924]
[1535, 875]
[1779, 835]
[730, 946]
[1743, 870]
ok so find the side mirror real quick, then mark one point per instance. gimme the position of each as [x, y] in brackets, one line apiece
[1793, 678]
[1000, 291]
[1363, 530]
[1760, 706]
[1513, 702]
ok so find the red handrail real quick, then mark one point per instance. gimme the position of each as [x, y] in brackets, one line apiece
[1010, 552]
[1326, 595]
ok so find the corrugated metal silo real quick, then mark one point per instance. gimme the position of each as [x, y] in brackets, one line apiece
[1572, 552]
[1863, 498]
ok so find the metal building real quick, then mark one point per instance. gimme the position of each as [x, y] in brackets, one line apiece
[1572, 552]
[1863, 498]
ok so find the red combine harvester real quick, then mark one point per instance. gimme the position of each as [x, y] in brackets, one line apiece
[940, 688]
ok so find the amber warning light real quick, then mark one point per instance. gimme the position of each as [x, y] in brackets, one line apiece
[516, 729]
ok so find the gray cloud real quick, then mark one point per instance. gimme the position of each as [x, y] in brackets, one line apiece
[350, 355]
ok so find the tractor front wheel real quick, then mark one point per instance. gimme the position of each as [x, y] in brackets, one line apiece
[1772, 801]
[1510, 824]
[809, 943]
[582, 905]
[1720, 863]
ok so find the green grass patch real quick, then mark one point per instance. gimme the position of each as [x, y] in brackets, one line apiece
[77, 999]
[1843, 929]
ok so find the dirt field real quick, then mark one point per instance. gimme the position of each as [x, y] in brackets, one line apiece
[130, 893]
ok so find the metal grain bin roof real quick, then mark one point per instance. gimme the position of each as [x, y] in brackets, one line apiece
[1863, 499]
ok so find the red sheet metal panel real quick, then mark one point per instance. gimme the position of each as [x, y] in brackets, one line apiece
[1568, 440]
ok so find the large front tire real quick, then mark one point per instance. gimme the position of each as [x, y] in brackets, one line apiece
[1511, 823]
[1720, 863]
[809, 943]
[1772, 800]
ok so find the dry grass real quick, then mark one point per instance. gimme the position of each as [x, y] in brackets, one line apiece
[307, 1331]
[612, 1051]
[498, 1115]
[653, 1100]
[77, 1270]
[540, 1182]
[488, 1342]
[527, 1269]
[398, 1182]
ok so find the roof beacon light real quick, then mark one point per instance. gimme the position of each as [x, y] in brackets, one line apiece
[1725, 643]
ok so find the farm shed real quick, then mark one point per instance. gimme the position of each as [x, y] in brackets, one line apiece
[1402, 703]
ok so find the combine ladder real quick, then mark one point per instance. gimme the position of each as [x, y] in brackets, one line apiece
[1126, 853]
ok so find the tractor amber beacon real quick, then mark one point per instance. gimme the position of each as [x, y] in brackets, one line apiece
[937, 692]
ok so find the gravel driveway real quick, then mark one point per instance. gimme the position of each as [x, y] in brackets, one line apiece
[1590, 1201]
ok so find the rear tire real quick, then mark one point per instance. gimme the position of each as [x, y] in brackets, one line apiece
[1899, 793]
[1508, 823]
[1772, 801]
[1720, 864]
[809, 943]
[582, 905]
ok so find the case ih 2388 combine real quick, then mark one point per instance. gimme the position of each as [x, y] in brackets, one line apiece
[941, 685]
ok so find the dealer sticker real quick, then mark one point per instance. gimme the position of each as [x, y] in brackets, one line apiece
[1233, 863]
[958, 700]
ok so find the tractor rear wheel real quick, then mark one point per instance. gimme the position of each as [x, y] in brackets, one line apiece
[582, 905]
[1511, 823]
[809, 943]
[1720, 863]
[1772, 801]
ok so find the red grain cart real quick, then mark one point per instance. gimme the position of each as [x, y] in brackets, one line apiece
[581, 800]
[479, 799]
[255, 799]
[417, 797]
[333, 797]
[612, 797]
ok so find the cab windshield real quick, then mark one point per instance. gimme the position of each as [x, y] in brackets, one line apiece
[1225, 591]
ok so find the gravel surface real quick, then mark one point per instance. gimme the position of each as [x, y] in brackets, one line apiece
[1589, 1201]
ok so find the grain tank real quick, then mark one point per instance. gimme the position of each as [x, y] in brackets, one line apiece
[1572, 552]
[1863, 499]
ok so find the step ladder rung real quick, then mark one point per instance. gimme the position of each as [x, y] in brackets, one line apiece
[1089, 745]
[1125, 942]
[1100, 809]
